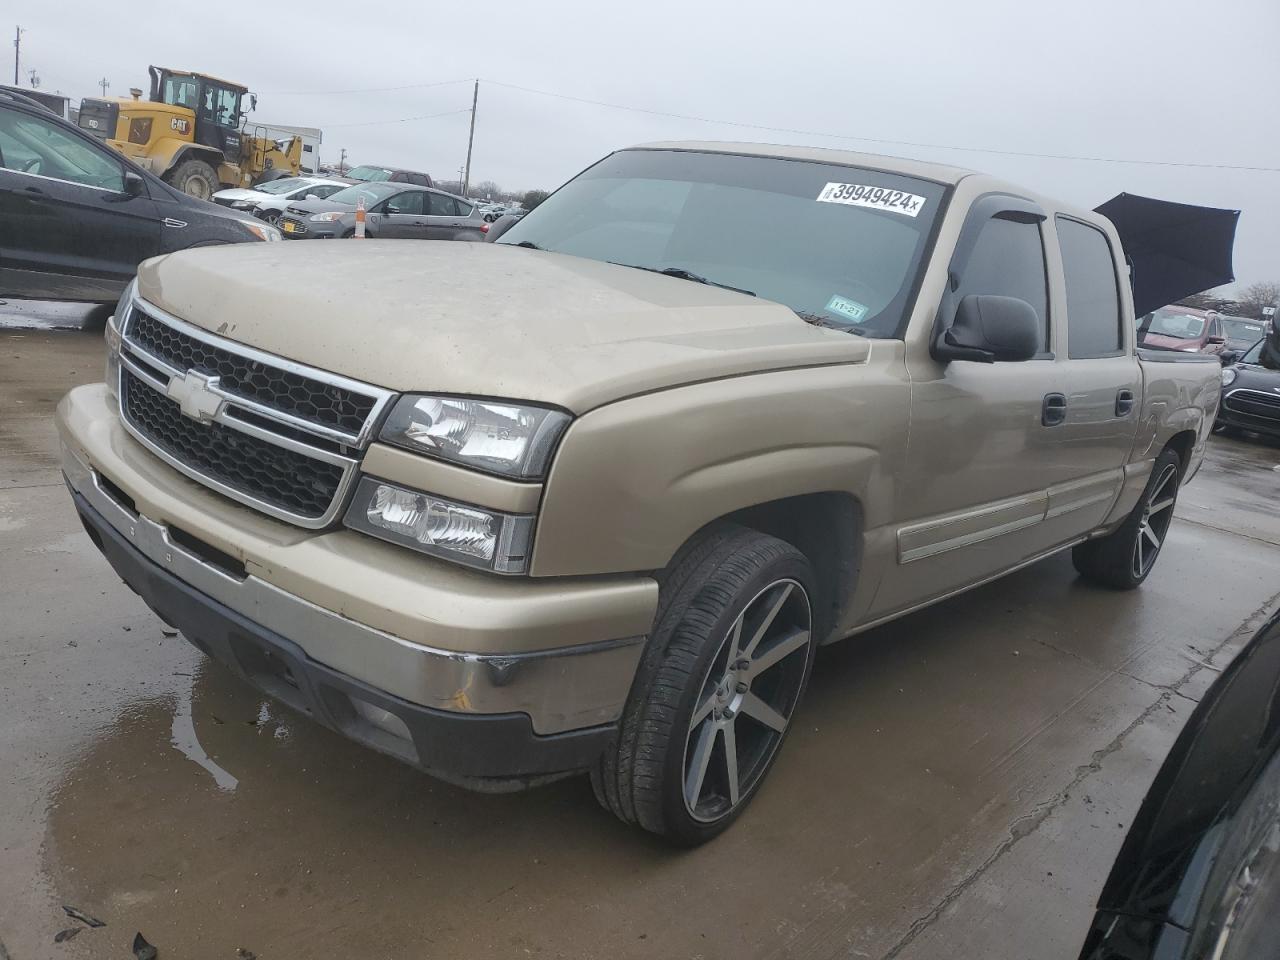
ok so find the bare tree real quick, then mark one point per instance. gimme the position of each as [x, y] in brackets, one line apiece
[1259, 295]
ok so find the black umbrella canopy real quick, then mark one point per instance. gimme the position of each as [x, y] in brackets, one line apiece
[1175, 249]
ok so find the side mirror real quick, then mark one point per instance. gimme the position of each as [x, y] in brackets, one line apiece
[390, 209]
[1212, 340]
[134, 185]
[1228, 357]
[988, 329]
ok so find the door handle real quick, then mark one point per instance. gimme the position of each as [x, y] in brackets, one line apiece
[1124, 403]
[1054, 410]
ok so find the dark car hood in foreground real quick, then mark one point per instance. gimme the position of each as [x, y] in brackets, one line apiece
[1194, 825]
[486, 319]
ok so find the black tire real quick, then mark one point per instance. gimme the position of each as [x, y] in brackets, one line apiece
[349, 234]
[271, 217]
[1123, 559]
[195, 178]
[645, 776]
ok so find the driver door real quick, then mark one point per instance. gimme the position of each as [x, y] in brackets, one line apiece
[986, 440]
[404, 216]
[71, 230]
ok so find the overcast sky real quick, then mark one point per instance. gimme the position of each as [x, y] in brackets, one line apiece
[1193, 83]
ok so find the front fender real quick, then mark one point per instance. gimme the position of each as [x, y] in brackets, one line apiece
[634, 480]
[168, 153]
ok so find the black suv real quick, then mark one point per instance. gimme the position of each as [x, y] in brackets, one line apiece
[79, 217]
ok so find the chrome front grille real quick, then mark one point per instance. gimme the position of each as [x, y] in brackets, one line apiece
[275, 435]
[1254, 403]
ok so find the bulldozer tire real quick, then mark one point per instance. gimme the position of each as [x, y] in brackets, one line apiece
[194, 177]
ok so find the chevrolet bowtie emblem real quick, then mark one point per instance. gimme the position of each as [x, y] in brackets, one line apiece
[195, 396]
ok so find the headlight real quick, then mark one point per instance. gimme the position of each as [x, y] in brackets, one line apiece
[115, 324]
[470, 535]
[514, 440]
[326, 217]
[263, 231]
[1229, 376]
[242, 205]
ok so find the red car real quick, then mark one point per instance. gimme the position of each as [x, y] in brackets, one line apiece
[1182, 328]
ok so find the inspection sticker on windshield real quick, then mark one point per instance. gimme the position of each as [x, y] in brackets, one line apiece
[878, 198]
[849, 309]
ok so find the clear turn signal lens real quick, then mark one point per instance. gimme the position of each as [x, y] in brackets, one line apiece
[480, 538]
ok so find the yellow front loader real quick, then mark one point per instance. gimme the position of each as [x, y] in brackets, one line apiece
[192, 132]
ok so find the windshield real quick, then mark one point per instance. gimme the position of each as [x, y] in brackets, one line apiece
[1176, 323]
[1241, 329]
[371, 192]
[369, 173]
[285, 185]
[180, 91]
[1254, 354]
[841, 245]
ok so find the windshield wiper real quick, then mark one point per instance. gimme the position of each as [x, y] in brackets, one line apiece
[528, 244]
[820, 321]
[683, 274]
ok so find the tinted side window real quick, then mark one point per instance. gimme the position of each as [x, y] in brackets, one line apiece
[442, 206]
[420, 179]
[464, 209]
[1093, 301]
[409, 202]
[38, 147]
[1008, 261]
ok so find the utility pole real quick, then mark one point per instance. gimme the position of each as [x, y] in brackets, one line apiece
[342, 162]
[104, 83]
[34, 77]
[466, 177]
[17, 50]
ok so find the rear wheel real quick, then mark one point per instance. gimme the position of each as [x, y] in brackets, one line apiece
[1123, 559]
[727, 663]
[194, 177]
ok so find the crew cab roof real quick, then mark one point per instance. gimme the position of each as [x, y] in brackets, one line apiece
[937, 172]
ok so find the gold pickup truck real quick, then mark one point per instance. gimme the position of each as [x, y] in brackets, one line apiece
[588, 498]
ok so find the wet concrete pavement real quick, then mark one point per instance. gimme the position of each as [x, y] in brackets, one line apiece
[957, 785]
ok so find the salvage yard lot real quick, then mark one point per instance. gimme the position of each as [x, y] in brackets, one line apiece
[958, 782]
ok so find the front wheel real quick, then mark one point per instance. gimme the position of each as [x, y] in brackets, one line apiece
[1122, 559]
[195, 178]
[726, 666]
[273, 217]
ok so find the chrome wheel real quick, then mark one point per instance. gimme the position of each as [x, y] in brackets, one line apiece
[273, 218]
[746, 700]
[1157, 513]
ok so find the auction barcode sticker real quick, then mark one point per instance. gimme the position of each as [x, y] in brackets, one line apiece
[878, 198]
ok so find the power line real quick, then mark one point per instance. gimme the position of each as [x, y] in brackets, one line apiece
[771, 129]
[371, 123]
[896, 143]
[319, 93]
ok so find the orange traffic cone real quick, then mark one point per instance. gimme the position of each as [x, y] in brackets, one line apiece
[360, 218]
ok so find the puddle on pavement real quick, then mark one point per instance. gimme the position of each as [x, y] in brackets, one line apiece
[187, 743]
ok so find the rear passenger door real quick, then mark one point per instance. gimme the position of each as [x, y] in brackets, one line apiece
[1104, 380]
[404, 216]
[442, 211]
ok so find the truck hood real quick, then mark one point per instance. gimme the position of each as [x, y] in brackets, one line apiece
[483, 318]
[1158, 341]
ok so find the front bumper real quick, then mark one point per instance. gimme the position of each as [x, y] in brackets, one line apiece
[544, 665]
[307, 230]
[1240, 409]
